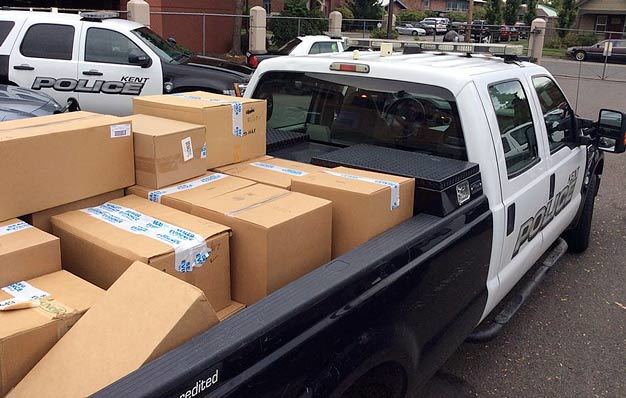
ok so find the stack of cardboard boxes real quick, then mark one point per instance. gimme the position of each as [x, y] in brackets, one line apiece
[209, 225]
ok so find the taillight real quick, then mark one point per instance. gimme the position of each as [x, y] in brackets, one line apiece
[253, 61]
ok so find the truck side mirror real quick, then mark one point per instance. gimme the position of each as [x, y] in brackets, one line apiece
[139, 59]
[612, 131]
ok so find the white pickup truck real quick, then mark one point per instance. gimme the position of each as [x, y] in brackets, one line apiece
[506, 178]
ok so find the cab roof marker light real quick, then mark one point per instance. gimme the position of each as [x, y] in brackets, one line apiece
[349, 67]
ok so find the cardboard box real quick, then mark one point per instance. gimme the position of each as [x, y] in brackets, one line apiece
[41, 219]
[167, 151]
[27, 334]
[235, 127]
[229, 311]
[52, 160]
[98, 246]
[278, 236]
[142, 316]
[181, 196]
[271, 171]
[26, 252]
[365, 204]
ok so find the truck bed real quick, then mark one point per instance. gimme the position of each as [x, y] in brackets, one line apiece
[284, 344]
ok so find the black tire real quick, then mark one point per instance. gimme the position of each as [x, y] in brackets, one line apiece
[578, 237]
[580, 55]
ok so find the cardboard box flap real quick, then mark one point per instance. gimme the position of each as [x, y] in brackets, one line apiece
[158, 126]
[195, 189]
[118, 239]
[142, 315]
[353, 180]
[23, 236]
[88, 120]
[264, 205]
[45, 120]
[70, 291]
[194, 99]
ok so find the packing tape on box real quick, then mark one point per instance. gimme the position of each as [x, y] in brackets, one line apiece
[237, 110]
[190, 249]
[156, 196]
[395, 187]
[279, 169]
[23, 294]
[11, 228]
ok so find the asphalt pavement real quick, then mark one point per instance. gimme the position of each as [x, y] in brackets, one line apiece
[569, 340]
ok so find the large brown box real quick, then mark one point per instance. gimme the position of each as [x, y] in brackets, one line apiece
[167, 151]
[100, 251]
[27, 334]
[142, 316]
[278, 236]
[26, 252]
[181, 196]
[52, 160]
[41, 219]
[271, 171]
[235, 127]
[364, 203]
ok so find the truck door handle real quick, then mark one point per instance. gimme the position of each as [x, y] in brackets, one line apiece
[92, 73]
[510, 219]
[23, 67]
[552, 183]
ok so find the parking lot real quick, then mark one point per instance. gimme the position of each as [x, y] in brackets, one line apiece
[570, 338]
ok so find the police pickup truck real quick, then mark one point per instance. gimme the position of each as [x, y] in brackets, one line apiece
[103, 61]
[506, 178]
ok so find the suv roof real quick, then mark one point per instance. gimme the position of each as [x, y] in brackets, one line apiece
[452, 70]
[60, 17]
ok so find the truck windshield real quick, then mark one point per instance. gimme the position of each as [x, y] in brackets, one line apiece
[166, 51]
[348, 110]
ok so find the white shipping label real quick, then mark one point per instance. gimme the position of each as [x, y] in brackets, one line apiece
[9, 229]
[25, 291]
[279, 169]
[203, 151]
[120, 130]
[156, 196]
[190, 249]
[395, 187]
[187, 149]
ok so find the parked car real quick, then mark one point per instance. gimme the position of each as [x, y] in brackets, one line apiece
[437, 24]
[428, 27]
[103, 61]
[458, 27]
[408, 29]
[595, 52]
[21, 103]
[303, 45]
[523, 29]
[480, 31]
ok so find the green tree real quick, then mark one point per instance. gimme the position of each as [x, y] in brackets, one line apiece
[566, 15]
[493, 13]
[284, 30]
[366, 9]
[346, 12]
[410, 16]
[531, 11]
[510, 11]
[457, 16]
[480, 12]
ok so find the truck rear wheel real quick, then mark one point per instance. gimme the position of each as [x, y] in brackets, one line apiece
[578, 237]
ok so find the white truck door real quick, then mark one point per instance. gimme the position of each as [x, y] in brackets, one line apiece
[523, 177]
[114, 68]
[45, 57]
[566, 160]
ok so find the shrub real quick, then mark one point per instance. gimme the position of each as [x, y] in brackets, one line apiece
[346, 12]
[407, 16]
[284, 30]
[457, 16]
[380, 33]
[582, 39]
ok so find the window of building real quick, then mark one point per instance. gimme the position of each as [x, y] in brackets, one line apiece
[601, 21]
[557, 114]
[108, 46]
[5, 29]
[516, 126]
[426, 4]
[46, 40]
[267, 4]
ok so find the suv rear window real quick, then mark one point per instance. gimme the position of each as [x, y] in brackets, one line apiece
[5, 29]
[46, 40]
[348, 110]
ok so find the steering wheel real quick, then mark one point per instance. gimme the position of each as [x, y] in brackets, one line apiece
[407, 115]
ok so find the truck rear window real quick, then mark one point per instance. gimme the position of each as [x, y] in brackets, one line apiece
[5, 29]
[348, 110]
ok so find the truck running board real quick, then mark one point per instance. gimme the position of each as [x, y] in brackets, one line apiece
[481, 335]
